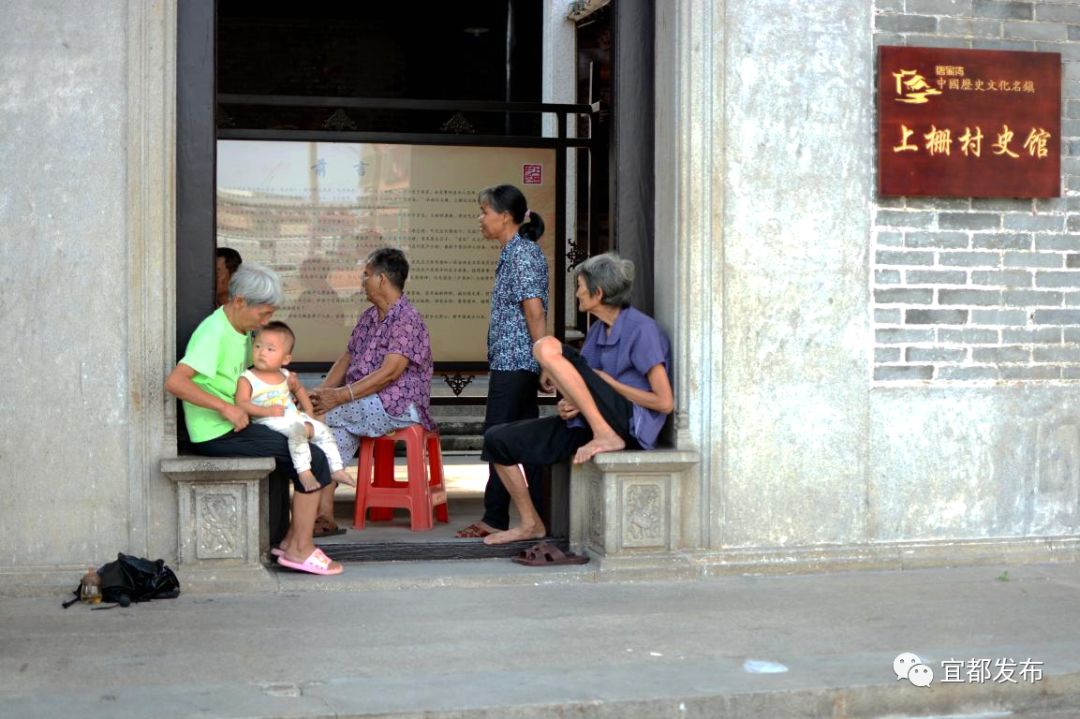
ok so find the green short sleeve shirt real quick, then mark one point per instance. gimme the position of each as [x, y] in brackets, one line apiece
[218, 354]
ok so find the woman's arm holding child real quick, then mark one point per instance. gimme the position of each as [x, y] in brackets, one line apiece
[179, 383]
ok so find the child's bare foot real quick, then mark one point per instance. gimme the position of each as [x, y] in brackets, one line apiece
[515, 534]
[308, 481]
[343, 477]
[606, 443]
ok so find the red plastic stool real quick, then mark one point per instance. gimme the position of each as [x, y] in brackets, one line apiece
[423, 494]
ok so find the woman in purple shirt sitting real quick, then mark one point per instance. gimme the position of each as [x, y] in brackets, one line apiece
[616, 393]
[382, 381]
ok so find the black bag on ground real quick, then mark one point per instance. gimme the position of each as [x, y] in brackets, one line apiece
[134, 579]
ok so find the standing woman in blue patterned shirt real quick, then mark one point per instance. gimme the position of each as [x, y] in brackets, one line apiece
[518, 319]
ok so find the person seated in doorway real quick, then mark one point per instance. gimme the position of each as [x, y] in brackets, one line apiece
[226, 264]
[382, 381]
[205, 381]
[615, 394]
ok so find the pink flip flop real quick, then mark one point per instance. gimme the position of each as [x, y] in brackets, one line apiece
[316, 563]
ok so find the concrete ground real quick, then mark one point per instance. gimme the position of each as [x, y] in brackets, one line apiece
[491, 639]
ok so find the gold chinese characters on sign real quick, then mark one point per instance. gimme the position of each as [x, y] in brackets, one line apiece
[938, 142]
[969, 123]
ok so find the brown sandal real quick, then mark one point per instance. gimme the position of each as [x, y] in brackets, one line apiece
[545, 554]
[473, 531]
[326, 528]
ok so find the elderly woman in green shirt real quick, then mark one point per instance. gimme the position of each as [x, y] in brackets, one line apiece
[205, 381]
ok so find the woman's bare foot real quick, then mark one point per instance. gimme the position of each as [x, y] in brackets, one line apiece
[308, 481]
[343, 477]
[516, 534]
[606, 443]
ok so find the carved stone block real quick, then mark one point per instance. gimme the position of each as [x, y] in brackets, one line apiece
[631, 503]
[596, 510]
[222, 509]
[219, 521]
[645, 510]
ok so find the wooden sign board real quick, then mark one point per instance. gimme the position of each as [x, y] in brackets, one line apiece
[313, 211]
[969, 123]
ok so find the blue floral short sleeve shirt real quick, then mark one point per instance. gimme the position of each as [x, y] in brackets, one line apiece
[522, 273]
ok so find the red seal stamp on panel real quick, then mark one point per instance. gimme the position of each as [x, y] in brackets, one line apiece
[532, 174]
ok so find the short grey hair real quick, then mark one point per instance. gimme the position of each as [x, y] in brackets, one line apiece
[610, 273]
[391, 262]
[258, 285]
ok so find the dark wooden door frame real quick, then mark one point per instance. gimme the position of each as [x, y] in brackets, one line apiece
[632, 169]
[196, 155]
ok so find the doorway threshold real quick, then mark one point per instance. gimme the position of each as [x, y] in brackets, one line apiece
[433, 574]
[393, 540]
[432, 549]
[387, 576]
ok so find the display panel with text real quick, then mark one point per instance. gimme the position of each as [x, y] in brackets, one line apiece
[313, 211]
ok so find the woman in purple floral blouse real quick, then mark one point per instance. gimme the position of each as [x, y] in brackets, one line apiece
[382, 381]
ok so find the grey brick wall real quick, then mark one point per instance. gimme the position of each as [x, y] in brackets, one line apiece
[983, 289]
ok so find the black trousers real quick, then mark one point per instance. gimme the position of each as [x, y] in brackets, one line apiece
[258, 440]
[550, 440]
[511, 397]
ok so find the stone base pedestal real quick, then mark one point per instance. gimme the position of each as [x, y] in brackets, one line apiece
[222, 506]
[627, 505]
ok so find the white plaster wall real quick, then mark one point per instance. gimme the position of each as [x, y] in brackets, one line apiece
[64, 411]
[689, 284]
[559, 61]
[797, 182]
[974, 462]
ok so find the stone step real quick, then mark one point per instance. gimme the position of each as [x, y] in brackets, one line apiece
[457, 410]
[456, 427]
[462, 443]
[468, 413]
